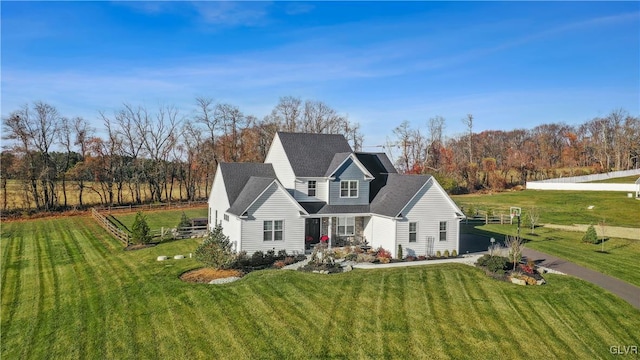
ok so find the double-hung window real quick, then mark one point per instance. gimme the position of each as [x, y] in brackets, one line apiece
[443, 231]
[273, 230]
[349, 188]
[413, 231]
[346, 226]
[311, 188]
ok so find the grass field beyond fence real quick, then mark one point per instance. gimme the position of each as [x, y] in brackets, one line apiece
[561, 207]
[70, 291]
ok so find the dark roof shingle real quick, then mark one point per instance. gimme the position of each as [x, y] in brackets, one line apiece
[396, 193]
[236, 176]
[311, 154]
[252, 189]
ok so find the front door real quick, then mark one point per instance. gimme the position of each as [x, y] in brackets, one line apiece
[311, 232]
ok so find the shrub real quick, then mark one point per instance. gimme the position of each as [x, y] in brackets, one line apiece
[422, 257]
[382, 253]
[497, 264]
[438, 254]
[384, 260]
[257, 258]
[282, 254]
[140, 232]
[351, 257]
[454, 253]
[278, 264]
[399, 255]
[289, 260]
[590, 236]
[482, 260]
[215, 250]
[184, 221]
[365, 258]
[446, 253]
[410, 258]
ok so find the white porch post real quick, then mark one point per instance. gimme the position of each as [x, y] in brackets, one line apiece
[330, 232]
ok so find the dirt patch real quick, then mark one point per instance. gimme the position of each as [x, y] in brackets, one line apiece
[205, 275]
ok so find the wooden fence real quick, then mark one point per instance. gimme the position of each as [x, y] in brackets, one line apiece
[156, 206]
[486, 219]
[119, 234]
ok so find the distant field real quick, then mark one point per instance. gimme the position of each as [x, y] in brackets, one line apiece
[70, 291]
[561, 207]
[620, 180]
[15, 197]
[162, 218]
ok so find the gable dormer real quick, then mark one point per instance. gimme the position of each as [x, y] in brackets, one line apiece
[348, 181]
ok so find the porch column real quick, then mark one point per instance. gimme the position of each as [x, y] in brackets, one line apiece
[330, 232]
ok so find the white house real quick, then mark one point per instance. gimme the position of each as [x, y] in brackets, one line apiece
[315, 185]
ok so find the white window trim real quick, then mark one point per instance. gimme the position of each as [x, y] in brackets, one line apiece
[349, 188]
[344, 222]
[273, 230]
[315, 188]
[413, 232]
[440, 231]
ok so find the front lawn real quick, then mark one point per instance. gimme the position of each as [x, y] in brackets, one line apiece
[157, 219]
[70, 291]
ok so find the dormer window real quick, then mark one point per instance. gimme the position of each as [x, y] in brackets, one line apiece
[311, 188]
[349, 188]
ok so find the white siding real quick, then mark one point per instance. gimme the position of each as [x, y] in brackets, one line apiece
[278, 158]
[428, 208]
[274, 204]
[300, 193]
[218, 200]
[232, 229]
[381, 231]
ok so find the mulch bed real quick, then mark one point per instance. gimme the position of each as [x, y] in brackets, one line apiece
[205, 275]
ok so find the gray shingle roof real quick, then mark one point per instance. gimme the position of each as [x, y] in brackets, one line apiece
[321, 208]
[335, 162]
[397, 192]
[236, 176]
[252, 189]
[378, 164]
[311, 154]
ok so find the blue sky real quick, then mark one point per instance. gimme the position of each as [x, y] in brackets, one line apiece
[510, 64]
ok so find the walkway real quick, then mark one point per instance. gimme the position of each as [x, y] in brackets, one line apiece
[626, 291]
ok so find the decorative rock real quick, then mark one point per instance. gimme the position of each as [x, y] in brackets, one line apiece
[518, 281]
[348, 268]
[178, 257]
[162, 258]
[540, 270]
[540, 282]
[224, 280]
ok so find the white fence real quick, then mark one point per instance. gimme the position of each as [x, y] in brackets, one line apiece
[581, 183]
[588, 178]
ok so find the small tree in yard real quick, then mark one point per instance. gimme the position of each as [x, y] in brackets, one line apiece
[140, 232]
[534, 216]
[590, 236]
[184, 221]
[216, 250]
[514, 244]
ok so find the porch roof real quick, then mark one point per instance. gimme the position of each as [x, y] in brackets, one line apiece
[321, 208]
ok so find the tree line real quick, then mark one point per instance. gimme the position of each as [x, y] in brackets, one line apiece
[165, 154]
[496, 159]
[144, 154]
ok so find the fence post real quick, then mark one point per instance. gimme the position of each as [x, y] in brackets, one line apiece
[486, 219]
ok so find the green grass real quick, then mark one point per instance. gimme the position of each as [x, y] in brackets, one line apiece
[162, 218]
[70, 291]
[620, 259]
[562, 207]
[621, 180]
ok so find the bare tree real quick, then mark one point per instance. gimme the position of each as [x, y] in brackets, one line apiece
[515, 245]
[534, 217]
[468, 122]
